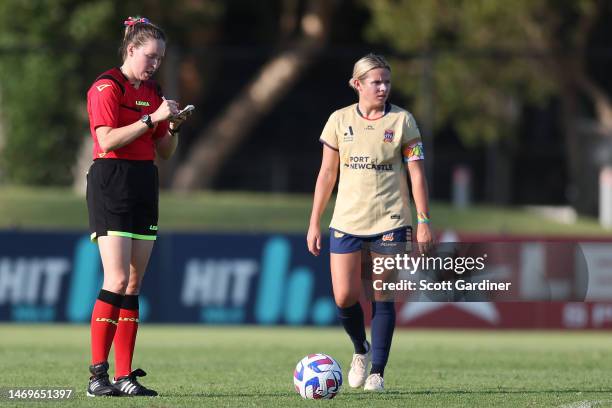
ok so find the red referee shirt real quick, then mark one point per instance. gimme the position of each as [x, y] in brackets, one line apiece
[113, 101]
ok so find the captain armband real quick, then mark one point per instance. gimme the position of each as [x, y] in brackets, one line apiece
[413, 152]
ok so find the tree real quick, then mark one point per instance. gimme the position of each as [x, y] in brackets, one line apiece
[268, 86]
[51, 51]
[39, 87]
[493, 56]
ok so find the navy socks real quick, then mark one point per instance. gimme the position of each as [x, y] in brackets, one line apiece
[383, 324]
[352, 320]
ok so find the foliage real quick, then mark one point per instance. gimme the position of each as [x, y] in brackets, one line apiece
[39, 86]
[50, 51]
[489, 56]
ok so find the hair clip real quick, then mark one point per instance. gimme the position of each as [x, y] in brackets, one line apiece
[131, 21]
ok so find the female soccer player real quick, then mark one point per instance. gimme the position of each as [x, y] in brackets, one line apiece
[374, 144]
[130, 121]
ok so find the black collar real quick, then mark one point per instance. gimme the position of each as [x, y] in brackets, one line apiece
[386, 110]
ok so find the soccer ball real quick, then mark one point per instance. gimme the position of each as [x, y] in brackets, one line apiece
[317, 376]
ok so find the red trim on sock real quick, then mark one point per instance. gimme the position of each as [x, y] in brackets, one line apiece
[104, 319]
[125, 340]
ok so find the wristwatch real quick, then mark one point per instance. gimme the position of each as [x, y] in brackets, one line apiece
[146, 119]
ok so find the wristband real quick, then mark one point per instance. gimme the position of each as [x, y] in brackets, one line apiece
[422, 218]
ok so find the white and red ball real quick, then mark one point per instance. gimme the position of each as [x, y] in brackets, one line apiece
[317, 376]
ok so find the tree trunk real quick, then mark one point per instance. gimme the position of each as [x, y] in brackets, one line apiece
[221, 138]
[171, 91]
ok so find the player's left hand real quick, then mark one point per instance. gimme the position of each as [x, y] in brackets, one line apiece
[425, 240]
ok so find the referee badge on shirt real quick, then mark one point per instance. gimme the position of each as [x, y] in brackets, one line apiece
[388, 138]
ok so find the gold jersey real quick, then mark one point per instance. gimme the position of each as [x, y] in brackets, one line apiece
[373, 195]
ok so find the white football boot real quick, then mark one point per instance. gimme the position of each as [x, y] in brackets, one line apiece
[374, 383]
[359, 368]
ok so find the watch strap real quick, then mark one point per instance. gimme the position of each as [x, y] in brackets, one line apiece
[146, 119]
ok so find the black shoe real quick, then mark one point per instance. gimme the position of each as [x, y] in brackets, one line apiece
[99, 384]
[128, 385]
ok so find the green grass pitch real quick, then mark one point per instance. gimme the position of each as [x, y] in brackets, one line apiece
[204, 366]
[30, 208]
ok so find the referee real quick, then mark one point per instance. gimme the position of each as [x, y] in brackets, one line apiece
[130, 122]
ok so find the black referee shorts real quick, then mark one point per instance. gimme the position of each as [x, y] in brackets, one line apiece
[123, 199]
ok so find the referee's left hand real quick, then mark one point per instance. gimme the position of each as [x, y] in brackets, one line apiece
[425, 240]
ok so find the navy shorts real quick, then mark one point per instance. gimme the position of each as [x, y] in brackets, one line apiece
[390, 243]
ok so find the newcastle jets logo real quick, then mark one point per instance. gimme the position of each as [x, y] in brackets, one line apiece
[102, 87]
[388, 138]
